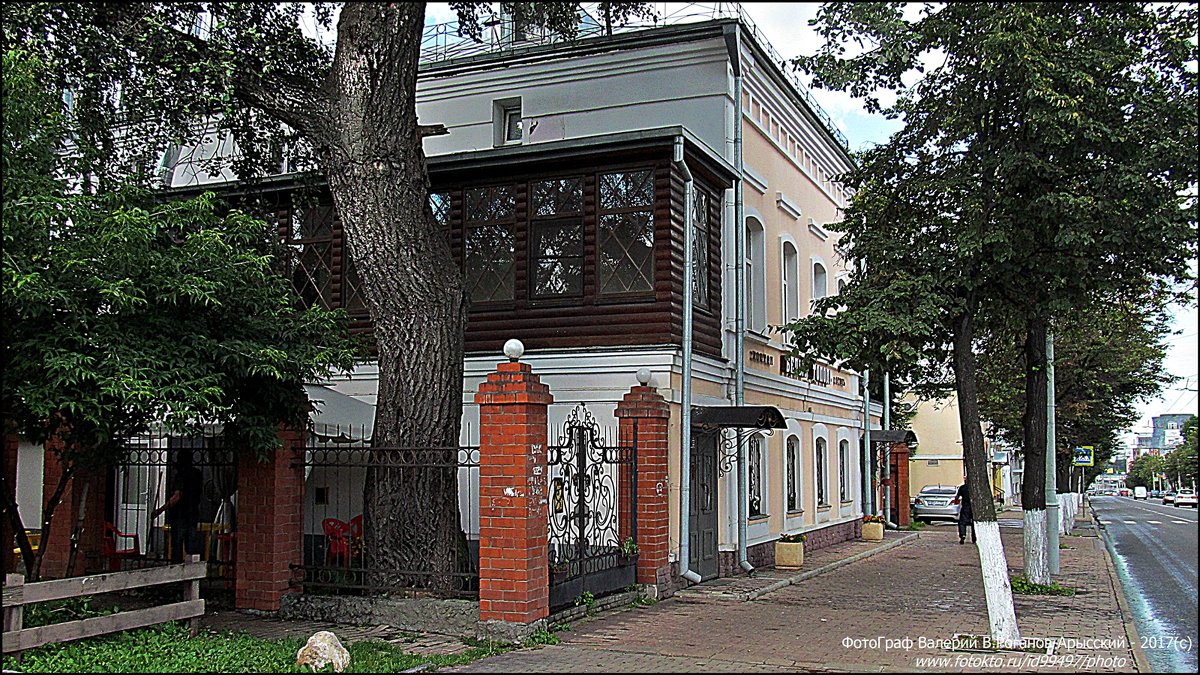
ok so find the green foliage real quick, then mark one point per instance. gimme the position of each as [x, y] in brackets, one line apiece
[587, 599]
[1108, 357]
[915, 525]
[1023, 586]
[168, 649]
[58, 611]
[1180, 464]
[541, 637]
[796, 538]
[1141, 471]
[629, 546]
[122, 310]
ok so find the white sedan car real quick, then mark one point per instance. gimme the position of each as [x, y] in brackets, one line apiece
[1186, 498]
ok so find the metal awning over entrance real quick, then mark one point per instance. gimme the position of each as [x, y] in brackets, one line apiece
[894, 436]
[738, 417]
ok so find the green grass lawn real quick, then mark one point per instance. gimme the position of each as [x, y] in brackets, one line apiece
[168, 649]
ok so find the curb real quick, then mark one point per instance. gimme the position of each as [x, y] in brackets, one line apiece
[759, 592]
[1131, 632]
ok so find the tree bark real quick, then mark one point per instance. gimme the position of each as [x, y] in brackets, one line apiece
[378, 178]
[1002, 618]
[1033, 488]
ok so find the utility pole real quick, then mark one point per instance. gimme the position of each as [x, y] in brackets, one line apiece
[1052, 517]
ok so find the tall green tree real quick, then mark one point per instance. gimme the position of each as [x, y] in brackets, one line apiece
[123, 311]
[347, 107]
[1044, 150]
[1108, 358]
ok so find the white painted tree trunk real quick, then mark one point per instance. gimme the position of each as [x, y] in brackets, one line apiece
[1002, 618]
[1037, 560]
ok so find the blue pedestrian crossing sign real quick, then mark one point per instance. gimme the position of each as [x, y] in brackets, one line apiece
[1085, 456]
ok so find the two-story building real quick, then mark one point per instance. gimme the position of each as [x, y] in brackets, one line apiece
[564, 184]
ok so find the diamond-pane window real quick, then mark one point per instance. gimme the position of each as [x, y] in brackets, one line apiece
[630, 189]
[439, 202]
[491, 204]
[700, 218]
[561, 196]
[625, 236]
[488, 263]
[352, 296]
[557, 248]
[311, 264]
[626, 252]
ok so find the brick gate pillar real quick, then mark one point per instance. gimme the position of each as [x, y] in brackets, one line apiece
[513, 575]
[647, 408]
[901, 493]
[270, 501]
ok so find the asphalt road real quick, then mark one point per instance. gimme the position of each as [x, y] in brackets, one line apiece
[1154, 546]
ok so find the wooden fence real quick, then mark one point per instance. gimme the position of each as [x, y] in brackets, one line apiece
[17, 594]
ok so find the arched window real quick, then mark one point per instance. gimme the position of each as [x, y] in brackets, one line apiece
[754, 464]
[791, 282]
[844, 469]
[820, 282]
[822, 497]
[756, 275]
[793, 473]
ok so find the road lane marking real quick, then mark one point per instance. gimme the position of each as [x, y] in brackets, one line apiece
[1154, 522]
[1181, 522]
[1131, 522]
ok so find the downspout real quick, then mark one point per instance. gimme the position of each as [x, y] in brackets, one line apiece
[739, 285]
[867, 493]
[685, 453]
[887, 451]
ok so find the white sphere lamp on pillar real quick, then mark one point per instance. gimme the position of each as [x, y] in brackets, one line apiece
[643, 376]
[513, 349]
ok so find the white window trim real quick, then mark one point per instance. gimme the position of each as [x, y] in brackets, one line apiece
[812, 278]
[754, 179]
[756, 300]
[815, 228]
[787, 205]
[784, 240]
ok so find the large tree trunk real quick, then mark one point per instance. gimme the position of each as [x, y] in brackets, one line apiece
[1033, 489]
[1002, 618]
[378, 178]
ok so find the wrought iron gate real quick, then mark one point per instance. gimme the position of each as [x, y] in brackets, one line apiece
[593, 498]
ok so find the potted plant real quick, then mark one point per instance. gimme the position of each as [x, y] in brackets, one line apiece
[789, 551]
[872, 528]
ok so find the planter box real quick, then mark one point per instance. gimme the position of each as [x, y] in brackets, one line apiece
[789, 555]
[872, 531]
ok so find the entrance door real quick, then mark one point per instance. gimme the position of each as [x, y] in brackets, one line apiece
[702, 512]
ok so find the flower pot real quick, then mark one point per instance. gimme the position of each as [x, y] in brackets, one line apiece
[789, 555]
[872, 531]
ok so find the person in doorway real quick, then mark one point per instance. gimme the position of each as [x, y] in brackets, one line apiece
[183, 506]
[965, 517]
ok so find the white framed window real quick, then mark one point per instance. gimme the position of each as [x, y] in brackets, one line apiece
[756, 276]
[844, 469]
[820, 281]
[507, 124]
[790, 272]
[792, 447]
[821, 473]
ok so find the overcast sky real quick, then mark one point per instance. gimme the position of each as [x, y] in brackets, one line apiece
[785, 26]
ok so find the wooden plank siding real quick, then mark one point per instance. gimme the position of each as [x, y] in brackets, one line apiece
[590, 319]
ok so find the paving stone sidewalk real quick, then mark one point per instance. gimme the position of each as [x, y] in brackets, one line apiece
[926, 590]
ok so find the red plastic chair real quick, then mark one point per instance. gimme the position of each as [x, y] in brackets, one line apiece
[116, 555]
[337, 533]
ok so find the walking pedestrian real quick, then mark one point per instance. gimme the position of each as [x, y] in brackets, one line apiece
[183, 506]
[965, 517]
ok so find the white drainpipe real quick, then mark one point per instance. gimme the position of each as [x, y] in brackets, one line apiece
[739, 286]
[685, 454]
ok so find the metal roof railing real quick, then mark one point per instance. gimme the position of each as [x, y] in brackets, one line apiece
[501, 34]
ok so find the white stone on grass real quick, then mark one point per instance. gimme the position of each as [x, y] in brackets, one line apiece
[322, 649]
